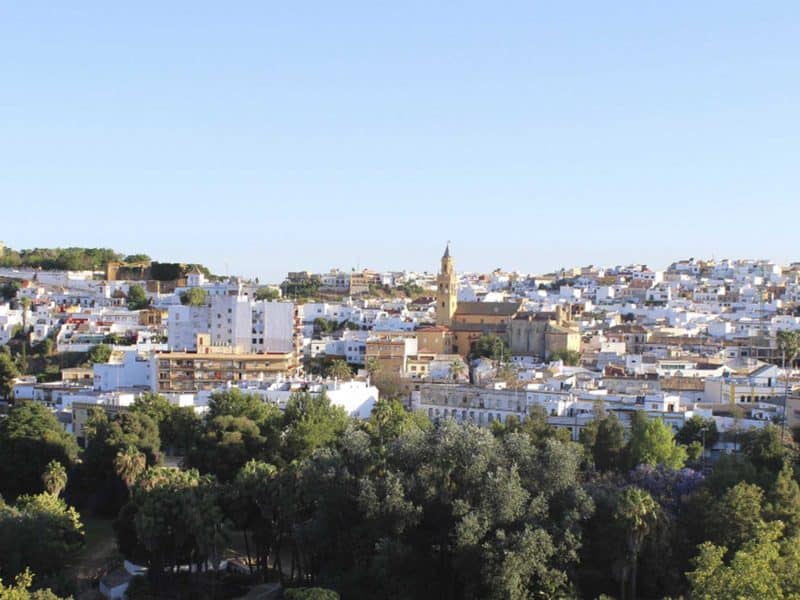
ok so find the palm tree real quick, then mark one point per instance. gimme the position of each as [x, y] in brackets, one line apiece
[54, 478]
[339, 369]
[638, 513]
[373, 365]
[129, 464]
[456, 367]
[788, 344]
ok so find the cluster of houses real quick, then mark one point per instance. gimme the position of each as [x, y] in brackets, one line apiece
[699, 338]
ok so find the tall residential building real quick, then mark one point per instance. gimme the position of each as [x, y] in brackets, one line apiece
[183, 325]
[230, 322]
[276, 327]
[210, 366]
[446, 290]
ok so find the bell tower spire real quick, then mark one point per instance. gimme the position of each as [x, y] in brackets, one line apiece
[446, 290]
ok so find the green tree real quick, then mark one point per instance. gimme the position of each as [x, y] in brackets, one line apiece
[694, 429]
[638, 513]
[765, 449]
[604, 440]
[8, 290]
[256, 489]
[237, 427]
[738, 516]
[31, 437]
[389, 420]
[21, 589]
[194, 297]
[178, 427]
[456, 368]
[136, 258]
[178, 520]
[323, 325]
[99, 354]
[180, 430]
[311, 422]
[105, 439]
[267, 293]
[762, 568]
[373, 366]
[234, 403]
[8, 373]
[137, 299]
[60, 259]
[155, 406]
[508, 375]
[54, 478]
[129, 464]
[652, 443]
[339, 369]
[784, 499]
[788, 345]
[491, 346]
[225, 445]
[570, 358]
[45, 348]
[41, 533]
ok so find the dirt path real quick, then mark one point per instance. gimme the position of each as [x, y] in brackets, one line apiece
[92, 562]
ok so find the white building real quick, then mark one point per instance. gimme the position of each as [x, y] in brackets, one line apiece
[273, 327]
[356, 397]
[9, 319]
[230, 322]
[183, 325]
[124, 370]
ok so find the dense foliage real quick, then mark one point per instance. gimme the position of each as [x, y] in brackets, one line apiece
[491, 346]
[397, 507]
[30, 438]
[59, 259]
[194, 297]
[40, 533]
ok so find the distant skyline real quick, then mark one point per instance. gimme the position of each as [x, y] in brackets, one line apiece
[258, 138]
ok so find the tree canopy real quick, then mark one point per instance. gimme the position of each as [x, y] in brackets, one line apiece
[59, 259]
[194, 297]
[491, 346]
[652, 443]
[30, 438]
[8, 372]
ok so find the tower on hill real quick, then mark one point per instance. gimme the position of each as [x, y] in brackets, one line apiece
[446, 290]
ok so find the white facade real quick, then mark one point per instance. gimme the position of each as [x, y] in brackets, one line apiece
[272, 327]
[9, 319]
[357, 398]
[230, 322]
[125, 370]
[183, 325]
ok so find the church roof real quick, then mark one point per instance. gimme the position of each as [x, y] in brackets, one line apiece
[446, 251]
[535, 316]
[506, 309]
[433, 328]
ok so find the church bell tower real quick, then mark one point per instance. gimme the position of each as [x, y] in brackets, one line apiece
[446, 290]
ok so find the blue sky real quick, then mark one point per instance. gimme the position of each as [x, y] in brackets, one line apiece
[261, 137]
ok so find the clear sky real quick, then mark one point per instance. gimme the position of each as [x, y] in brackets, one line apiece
[261, 137]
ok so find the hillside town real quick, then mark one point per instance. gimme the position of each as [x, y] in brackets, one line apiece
[318, 437]
[708, 338]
